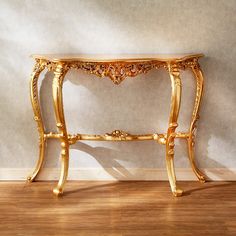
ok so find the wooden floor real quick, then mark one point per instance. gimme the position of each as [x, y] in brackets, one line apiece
[118, 208]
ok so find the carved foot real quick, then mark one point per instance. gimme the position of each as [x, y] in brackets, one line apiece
[178, 192]
[197, 172]
[29, 179]
[58, 191]
[202, 179]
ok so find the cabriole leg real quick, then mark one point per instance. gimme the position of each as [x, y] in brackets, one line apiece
[38, 68]
[195, 116]
[59, 75]
[174, 112]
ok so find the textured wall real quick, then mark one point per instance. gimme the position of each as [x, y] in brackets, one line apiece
[137, 105]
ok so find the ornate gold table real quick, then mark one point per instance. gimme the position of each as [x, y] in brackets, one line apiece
[117, 68]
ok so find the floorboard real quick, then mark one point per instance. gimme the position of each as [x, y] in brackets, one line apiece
[117, 209]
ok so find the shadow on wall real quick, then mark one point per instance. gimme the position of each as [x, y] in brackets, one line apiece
[215, 141]
[135, 106]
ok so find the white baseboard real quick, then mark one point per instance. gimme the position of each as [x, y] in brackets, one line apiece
[217, 174]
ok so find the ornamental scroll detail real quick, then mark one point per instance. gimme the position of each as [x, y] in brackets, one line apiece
[38, 68]
[119, 70]
[117, 134]
[116, 71]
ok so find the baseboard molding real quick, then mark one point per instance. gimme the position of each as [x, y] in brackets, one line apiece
[217, 174]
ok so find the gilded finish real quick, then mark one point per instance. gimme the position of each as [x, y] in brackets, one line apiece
[57, 84]
[195, 117]
[174, 113]
[160, 138]
[38, 68]
[117, 70]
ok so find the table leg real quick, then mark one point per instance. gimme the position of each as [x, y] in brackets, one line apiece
[57, 85]
[38, 68]
[191, 140]
[174, 112]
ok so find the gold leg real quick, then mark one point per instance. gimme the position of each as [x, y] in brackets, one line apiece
[174, 112]
[38, 68]
[191, 140]
[59, 75]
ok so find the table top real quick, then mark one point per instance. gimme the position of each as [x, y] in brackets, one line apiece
[112, 58]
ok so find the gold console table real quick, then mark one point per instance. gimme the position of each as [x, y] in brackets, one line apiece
[117, 69]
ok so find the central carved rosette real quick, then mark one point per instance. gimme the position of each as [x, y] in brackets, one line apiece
[118, 134]
[116, 71]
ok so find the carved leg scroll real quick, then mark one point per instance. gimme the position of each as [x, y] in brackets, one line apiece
[59, 75]
[191, 140]
[174, 112]
[38, 68]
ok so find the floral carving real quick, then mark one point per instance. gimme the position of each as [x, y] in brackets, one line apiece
[116, 71]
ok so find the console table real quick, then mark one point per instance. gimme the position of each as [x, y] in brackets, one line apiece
[116, 68]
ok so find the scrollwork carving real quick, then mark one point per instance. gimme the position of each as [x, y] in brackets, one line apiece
[116, 71]
[38, 68]
[119, 70]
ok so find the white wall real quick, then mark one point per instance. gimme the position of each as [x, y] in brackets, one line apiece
[138, 105]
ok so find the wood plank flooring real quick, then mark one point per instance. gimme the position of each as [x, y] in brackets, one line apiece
[118, 209]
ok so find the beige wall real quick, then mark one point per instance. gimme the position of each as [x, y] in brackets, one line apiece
[137, 105]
